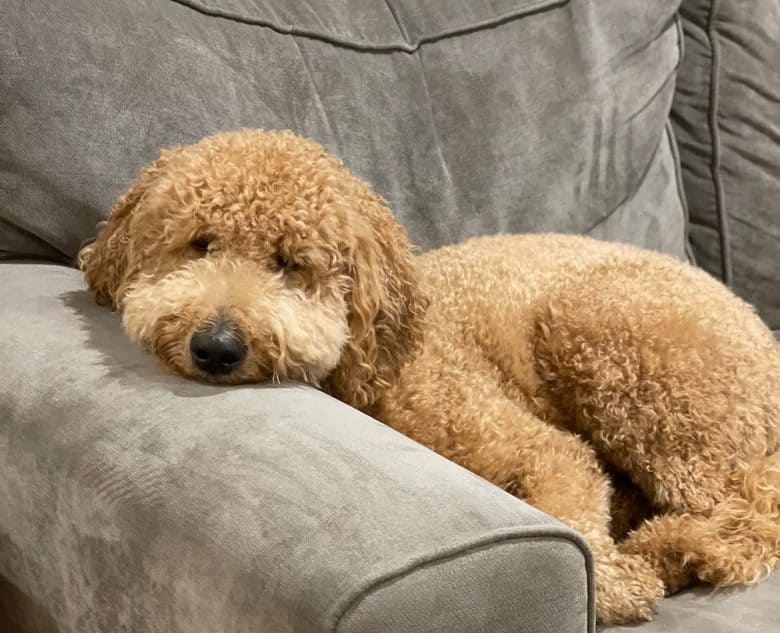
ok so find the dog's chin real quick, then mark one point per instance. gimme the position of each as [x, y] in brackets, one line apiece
[238, 377]
[254, 370]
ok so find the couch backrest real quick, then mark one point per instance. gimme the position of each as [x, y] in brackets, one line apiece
[469, 117]
[727, 118]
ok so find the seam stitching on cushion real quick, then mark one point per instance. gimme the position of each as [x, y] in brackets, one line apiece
[712, 120]
[497, 538]
[410, 47]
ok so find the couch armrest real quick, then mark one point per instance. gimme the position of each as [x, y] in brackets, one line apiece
[136, 501]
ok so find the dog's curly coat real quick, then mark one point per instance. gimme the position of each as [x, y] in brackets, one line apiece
[625, 393]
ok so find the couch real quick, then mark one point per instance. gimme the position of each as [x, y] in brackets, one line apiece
[135, 501]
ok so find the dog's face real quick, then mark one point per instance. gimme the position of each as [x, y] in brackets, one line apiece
[253, 256]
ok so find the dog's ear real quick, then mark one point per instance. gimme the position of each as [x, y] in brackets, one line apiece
[107, 261]
[387, 304]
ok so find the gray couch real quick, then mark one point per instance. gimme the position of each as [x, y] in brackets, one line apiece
[133, 501]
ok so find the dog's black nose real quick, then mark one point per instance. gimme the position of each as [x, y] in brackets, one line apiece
[217, 349]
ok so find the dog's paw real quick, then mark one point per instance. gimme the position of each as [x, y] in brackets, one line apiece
[627, 589]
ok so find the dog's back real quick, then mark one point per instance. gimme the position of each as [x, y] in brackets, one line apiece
[673, 379]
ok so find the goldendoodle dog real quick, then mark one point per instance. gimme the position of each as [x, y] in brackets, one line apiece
[628, 394]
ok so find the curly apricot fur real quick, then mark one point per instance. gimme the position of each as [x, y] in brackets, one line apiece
[547, 364]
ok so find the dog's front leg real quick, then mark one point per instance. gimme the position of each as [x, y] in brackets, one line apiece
[553, 470]
[558, 473]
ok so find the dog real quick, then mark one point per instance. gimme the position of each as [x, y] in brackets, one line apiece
[629, 395]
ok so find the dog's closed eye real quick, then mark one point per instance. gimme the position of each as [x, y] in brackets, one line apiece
[201, 244]
[284, 264]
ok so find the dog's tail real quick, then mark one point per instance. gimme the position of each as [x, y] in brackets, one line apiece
[738, 541]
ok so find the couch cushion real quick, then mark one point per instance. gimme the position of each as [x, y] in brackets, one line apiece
[135, 501]
[727, 119]
[471, 118]
[707, 610]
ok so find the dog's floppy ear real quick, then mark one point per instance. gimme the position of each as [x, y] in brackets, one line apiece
[107, 261]
[387, 304]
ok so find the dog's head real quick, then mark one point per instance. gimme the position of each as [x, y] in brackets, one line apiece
[254, 256]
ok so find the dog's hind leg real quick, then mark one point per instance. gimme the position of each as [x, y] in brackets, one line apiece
[675, 383]
[737, 541]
